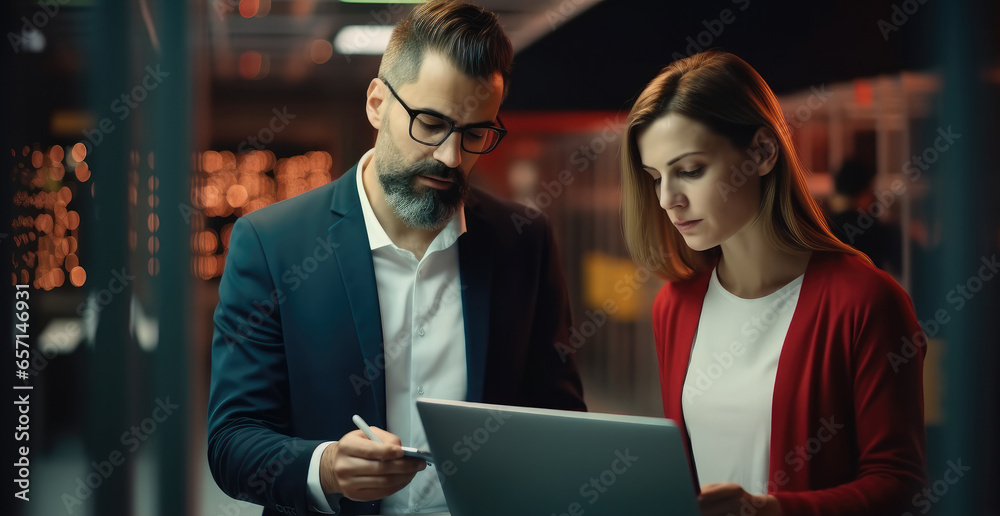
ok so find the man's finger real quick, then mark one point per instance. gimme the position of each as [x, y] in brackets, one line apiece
[355, 466]
[387, 438]
[396, 481]
[358, 445]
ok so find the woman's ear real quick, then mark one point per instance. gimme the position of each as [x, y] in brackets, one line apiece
[764, 149]
[374, 102]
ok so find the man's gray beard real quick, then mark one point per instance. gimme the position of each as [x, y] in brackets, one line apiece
[420, 206]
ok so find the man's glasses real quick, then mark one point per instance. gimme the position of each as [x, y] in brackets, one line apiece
[430, 128]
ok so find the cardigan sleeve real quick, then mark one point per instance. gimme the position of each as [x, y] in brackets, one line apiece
[887, 358]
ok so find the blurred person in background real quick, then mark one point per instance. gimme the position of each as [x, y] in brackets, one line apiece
[775, 339]
[851, 208]
[418, 286]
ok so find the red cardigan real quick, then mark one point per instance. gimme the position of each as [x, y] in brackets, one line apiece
[847, 424]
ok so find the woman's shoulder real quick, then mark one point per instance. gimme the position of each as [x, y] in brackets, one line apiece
[853, 280]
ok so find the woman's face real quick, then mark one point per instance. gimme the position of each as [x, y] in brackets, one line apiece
[709, 188]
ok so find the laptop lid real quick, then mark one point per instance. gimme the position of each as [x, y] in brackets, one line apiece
[495, 460]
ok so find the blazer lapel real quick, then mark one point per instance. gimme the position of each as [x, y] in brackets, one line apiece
[354, 257]
[475, 262]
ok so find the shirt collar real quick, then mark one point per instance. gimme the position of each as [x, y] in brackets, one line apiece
[378, 238]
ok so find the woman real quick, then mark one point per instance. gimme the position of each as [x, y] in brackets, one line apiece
[781, 349]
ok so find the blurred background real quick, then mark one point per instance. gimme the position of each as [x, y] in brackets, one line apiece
[137, 132]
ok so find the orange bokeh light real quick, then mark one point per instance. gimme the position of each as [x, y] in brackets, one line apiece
[82, 171]
[205, 267]
[72, 220]
[57, 172]
[249, 8]
[58, 277]
[211, 197]
[44, 223]
[77, 276]
[251, 64]
[206, 242]
[65, 194]
[56, 153]
[237, 196]
[60, 213]
[79, 152]
[211, 162]
[320, 51]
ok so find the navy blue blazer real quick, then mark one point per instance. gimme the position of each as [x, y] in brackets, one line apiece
[297, 347]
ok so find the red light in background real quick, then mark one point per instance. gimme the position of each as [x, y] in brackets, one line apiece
[863, 94]
[249, 8]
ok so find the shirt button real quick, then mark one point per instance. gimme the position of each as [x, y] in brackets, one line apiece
[420, 389]
[420, 331]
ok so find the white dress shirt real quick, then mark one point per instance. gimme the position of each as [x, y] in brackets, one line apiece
[423, 329]
[729, 384]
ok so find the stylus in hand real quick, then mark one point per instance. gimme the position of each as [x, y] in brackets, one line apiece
[365, 428]
[407, 451]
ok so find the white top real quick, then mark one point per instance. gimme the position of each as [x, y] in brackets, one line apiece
[730, 382]
[424, 344]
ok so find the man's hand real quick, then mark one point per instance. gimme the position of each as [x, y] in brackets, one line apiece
[720, 499]
[364, 470]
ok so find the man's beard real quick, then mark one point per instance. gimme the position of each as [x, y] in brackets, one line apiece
[417, 205]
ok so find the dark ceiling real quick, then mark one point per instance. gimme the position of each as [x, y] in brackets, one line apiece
[602, 58]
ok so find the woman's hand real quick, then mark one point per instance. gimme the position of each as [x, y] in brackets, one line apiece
[727, 498]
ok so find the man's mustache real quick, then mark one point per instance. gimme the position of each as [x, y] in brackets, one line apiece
[434, 168]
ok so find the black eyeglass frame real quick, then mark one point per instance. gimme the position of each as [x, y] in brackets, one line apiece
[452, 128]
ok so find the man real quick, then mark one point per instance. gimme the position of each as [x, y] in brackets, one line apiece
[397, 281]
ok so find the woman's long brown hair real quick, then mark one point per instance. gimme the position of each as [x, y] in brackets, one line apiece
[727, 95]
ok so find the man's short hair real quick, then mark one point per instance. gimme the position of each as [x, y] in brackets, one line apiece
[468, 36]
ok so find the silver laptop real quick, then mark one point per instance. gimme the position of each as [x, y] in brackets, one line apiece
[496, 460]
